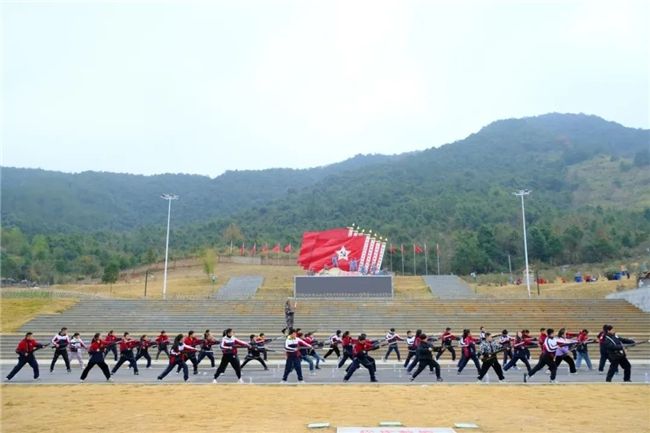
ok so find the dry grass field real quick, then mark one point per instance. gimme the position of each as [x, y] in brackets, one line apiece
[597, 290]
[241, 408]
[15, 312]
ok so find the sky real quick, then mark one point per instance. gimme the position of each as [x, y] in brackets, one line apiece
[207, 86]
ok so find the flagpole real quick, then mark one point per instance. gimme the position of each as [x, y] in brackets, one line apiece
[391, 258]
[426, 269]
[414, 270]
[402, 255]
[438, 256]
[231, 248]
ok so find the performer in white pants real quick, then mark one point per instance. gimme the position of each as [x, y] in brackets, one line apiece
[77, 347]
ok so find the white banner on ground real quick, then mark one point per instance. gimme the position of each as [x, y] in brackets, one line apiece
[395, 430]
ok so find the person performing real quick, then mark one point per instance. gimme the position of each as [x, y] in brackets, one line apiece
[191, 341]
[334, 340]
[289, 314]
[582, 350]
[206, 348]
[412, 347]
[177, 358]
[348, 349]
[229, 345]
[143, 350]
[292, 347]
[361, 358]
[392, 338]
[447, 338]
[425, 359]
[489, 350]
[77, 345]
[547, 358]
[563, 352]
[519, 346]
[96, 358]
[254, 353]
[162, 341]
[505, 341]
[60, 343]
[416, 343]
[468, 350]
[126, 354]
[615, 347]
[315, 344]
[261, 341]
[25, 350]
[111, 338]
[603, 351]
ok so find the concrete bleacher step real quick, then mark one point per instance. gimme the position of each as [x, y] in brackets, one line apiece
[240, 288]
[448, 287]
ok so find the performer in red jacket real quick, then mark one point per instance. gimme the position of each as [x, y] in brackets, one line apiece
[361, 357]
[96, 354]
[143, 350]
[126, 354]
[191, 341]
[348, 352]
[25, 350]
[206, 348]
[162, 341]
[468, 347]
[110, 338]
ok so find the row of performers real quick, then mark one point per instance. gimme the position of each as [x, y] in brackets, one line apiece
[299, 348]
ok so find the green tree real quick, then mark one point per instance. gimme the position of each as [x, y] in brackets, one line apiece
[208, 259]
[111, 273]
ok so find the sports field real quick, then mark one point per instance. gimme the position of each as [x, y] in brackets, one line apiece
[244, 408]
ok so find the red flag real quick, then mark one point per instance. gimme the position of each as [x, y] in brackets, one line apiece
[392, 249]
[265, 249]
[418, 249]
[312, 240]
[287, 248]
[276, 248]
[339, 253]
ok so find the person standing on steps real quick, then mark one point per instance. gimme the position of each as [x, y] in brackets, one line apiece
[289, 315]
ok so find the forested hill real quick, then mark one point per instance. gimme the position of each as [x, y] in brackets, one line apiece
[590, 180]
[40, 201]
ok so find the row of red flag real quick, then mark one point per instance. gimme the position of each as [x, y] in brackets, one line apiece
[264, 249]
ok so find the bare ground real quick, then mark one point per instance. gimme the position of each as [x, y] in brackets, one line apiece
[243, 408]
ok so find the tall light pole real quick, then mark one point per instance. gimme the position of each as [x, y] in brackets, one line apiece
[521, 193]
[169, 198]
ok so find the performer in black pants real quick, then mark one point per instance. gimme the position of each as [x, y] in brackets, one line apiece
[489, 350]
[126, 354]
[615, 347]
[392, 338]
[143, 350]
[229, 345]
[96, 354]
[361, 358]
[519, 351]
[261, 341]
[25, 350]
[414, 362]
[289, 314]
[468, 350]
[254, 353]
[162, 341]
[347, 343]
[547, 358]
[447, 338]
[206, 348]
[425, 358]
[412, 345]
[177, 358]
[563, 352]
[335, 340]
[292, 347]
[60, 342]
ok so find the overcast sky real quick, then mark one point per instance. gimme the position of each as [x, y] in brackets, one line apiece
[204, 87]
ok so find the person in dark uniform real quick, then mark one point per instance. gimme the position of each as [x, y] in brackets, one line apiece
[447, 338]
[425, 358]
[334, 340]
[362, 358]
[547, 358]
[615, 347]
[206, 348]
[289, 314]
[143, 350]
[347, 343]
[96, 357]
[126, 354]
[229, 344]
[254, 353]
[60, 343]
